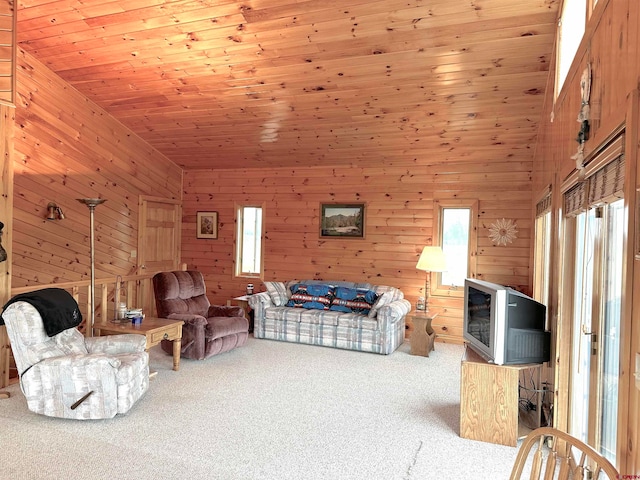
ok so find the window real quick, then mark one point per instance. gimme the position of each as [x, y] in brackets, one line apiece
[249, 241]
[456, 233]
[542, 250]
[570, 31]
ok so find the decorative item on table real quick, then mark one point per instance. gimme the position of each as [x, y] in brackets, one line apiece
[121, 313]
[135, 315]
[249, 288]
[420, 305]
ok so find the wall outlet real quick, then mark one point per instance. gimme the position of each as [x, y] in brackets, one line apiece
[134, 253]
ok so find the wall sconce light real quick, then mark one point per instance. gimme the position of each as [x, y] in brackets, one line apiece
[54, 212]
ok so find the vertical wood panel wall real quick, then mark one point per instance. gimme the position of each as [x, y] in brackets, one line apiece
[612, 47]
[6, 207]
[66, 148]
[8, 48]
[399, 222]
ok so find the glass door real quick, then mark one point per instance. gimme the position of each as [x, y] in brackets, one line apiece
[595, 355]
[585, 234]
[608, 358]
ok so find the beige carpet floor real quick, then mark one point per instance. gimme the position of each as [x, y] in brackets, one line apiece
[269, 410]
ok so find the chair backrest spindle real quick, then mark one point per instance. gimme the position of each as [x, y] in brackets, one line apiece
[562, 458]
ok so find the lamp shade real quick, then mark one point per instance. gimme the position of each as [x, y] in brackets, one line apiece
[432, 259]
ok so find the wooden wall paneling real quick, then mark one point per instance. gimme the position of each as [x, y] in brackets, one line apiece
[66, 148]
[545, 174]
[630, 339]
[7, 118]
[299, 28]
[8, 46]
[369, 80]
[611, 47]
[399, 222]
[114, 144]
[632, 442]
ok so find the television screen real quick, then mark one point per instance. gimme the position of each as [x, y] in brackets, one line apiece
[479, 308]
[504, 326]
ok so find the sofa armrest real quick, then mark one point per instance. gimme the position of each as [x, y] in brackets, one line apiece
[115, 344]
[259, 302]
[262, 299]
[393, 312]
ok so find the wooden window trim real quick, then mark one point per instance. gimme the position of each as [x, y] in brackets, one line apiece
[437, 289]
[237, 243]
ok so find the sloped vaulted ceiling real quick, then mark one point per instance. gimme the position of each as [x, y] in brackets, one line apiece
[255, 83]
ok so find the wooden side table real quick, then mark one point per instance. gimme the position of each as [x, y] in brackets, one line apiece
[154, 329]
[423, 336]
[243, 301]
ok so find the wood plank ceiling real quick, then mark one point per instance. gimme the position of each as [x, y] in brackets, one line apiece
[261, 83]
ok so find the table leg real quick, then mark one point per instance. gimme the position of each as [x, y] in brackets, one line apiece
[432, 342]
[177, 345]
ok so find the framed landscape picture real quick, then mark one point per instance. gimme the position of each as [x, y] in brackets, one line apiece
[207, 225]
[342, 220]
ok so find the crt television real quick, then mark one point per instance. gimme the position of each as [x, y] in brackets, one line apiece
[503, 325]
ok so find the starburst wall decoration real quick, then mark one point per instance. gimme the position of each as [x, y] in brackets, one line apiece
[502, 232]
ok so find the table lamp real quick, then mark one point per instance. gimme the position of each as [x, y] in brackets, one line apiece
[431, 259]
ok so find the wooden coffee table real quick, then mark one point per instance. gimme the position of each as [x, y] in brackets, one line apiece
[154, 329]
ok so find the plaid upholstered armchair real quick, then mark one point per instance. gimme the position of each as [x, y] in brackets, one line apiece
[62, 373]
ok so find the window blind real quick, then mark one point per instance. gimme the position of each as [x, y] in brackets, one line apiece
[607, 183]
[574, 200]
[604, 180]
[543, 206]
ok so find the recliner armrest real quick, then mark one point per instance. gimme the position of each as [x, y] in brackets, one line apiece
[225, 311]
[115, 344]
[72, 362]
[189, 319]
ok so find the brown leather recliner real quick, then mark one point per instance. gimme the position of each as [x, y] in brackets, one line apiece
[208, 329]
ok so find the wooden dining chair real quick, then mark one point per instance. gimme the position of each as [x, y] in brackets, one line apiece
[547, 453]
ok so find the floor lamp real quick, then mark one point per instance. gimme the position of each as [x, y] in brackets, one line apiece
[92, 203]
[431, 259]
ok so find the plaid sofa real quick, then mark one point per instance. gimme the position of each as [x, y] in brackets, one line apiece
[380, 330]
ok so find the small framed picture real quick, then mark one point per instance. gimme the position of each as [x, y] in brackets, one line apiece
[207, 225]
[341, 220]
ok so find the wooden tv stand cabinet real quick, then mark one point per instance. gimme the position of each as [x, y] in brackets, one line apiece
[489, 399]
